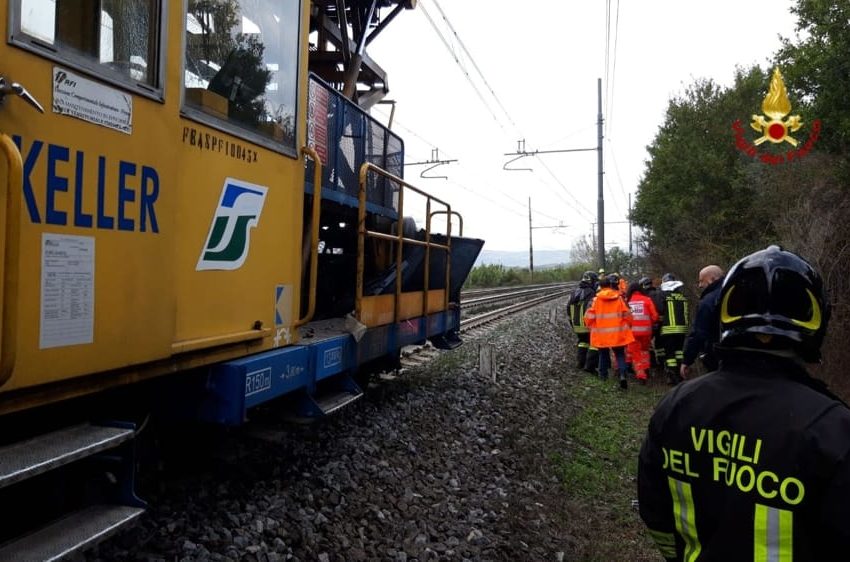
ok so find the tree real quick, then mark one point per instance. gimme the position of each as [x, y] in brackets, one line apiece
[618, 260]
[232, 63]
[696, 198]
[583, 253]
[702, 201]
[243, 79]
[816, 67]
[213, 43]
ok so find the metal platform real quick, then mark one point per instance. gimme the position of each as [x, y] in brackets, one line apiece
[26, 459]
[72, 533]
[333, 402]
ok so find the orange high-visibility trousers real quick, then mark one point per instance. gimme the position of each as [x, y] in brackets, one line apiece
[639, 352]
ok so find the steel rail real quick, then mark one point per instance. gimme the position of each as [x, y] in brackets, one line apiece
[471, 303]
[475, 293]
[489, 316]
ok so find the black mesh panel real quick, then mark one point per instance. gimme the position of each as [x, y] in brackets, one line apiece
[353, 137]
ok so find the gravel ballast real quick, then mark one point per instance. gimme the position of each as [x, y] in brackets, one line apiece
[441, 462]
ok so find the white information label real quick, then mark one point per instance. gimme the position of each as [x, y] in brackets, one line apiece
[67, 290]
[91, 101]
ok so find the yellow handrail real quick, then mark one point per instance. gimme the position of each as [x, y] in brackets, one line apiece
[400, 239]
[14, 187]
[314, 234]
[455, 213]
[427, 281]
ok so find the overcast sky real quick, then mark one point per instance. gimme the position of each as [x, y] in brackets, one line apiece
[541, 59]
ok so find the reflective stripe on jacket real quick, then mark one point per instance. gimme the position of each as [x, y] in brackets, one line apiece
[675, 314]
[749, 463]
[609, 320]
[579, 301]
[644, 314]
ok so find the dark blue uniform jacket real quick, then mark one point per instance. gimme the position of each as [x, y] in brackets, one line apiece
[706, 329]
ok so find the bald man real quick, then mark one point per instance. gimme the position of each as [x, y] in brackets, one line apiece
[706, 329]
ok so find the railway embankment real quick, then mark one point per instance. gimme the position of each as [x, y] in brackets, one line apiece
[440, 462]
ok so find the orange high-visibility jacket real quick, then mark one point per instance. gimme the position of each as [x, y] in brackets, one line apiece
[609, 320]
[623, 286]
[644, 314]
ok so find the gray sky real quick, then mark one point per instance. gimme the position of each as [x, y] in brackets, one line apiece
[541, 59]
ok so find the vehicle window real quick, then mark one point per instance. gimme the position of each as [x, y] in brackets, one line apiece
[119, 36]
[242, 63]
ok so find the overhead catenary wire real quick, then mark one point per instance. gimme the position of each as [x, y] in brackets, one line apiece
[610, 60]
[587, 214]
[570, 205]
[610, 100]
[447, 44]
[607, 45]
[519, 204]
[523, 214]
[482, 196]
[571, 134]
[475, 66]
[613, 200]
[396, 122]
[460, 65]
[616, 169]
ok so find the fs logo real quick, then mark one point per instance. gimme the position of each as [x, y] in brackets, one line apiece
[229, 237]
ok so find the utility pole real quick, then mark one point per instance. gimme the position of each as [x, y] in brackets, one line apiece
[600, 201]
[530, 245]
[630, 225]
[531, 229]
[523, 153]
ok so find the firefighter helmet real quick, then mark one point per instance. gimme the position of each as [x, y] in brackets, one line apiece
[668, 277]
[613, 280]
[645, 283]
[589, 277]
[774, 300]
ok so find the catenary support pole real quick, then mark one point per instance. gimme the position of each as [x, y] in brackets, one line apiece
[530, 246]
[600, 202]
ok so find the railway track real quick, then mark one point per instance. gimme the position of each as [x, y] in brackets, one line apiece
[489, 305]
[512, 308]
[471, 294]
[477, 308]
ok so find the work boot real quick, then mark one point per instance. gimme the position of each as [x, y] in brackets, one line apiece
[603, 376]
[624, 381]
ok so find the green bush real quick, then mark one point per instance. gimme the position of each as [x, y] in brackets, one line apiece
[497, 275]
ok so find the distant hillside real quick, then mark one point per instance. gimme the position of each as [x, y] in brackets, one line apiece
[542, 258]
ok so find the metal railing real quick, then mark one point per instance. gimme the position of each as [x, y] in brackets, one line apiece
[11, 248]
[449, 214]
[314, 234]
[399, 239]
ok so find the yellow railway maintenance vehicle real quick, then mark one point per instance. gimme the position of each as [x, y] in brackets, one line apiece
[197, 216]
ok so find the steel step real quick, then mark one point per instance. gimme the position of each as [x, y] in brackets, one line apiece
[331, 402]
[25, 459]
[72, 533]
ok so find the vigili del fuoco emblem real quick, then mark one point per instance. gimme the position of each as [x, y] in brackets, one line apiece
[776, 106]
[775, 127]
